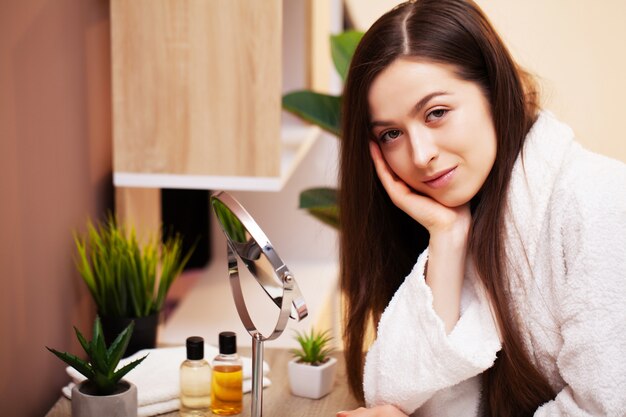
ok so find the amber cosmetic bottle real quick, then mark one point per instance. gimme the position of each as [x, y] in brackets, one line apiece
[227, 381]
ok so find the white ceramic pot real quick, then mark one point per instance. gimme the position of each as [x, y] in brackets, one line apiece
[122, 404]
[312, 381]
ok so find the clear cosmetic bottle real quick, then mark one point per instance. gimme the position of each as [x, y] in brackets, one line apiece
[195, 381]
[227, 381]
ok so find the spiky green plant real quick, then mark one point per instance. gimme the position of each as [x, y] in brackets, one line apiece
[99, 369]
[324, 111]
[314, 347]
[127, 279]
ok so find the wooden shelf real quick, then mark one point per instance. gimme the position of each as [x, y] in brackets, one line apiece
[295, 144]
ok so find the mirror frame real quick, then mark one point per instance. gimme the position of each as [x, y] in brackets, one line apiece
[282, 289]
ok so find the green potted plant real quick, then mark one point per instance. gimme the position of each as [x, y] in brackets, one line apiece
[324, 110]
[127, 280]
[312, 370]
[103, 393]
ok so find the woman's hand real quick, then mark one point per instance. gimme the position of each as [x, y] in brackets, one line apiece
[449, 234]
[434, 216]
[380, 411]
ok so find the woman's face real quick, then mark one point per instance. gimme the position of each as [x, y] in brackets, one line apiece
[435, 130]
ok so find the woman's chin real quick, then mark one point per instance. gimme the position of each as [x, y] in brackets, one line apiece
[452, 201]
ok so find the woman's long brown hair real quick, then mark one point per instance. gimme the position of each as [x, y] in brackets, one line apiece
[379, 242]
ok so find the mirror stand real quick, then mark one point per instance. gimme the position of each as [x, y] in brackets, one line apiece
[257, 376]
[246, 242]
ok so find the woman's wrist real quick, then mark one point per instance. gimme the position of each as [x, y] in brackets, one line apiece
[453, 236]
[445, 270]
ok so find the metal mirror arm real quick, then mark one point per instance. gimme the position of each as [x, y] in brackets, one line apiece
[285, 308]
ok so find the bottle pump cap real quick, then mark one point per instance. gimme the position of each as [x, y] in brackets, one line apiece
[228, 343]
[195, 348]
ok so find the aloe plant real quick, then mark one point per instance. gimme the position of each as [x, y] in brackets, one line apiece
[99, 369]
[324, 111]
[127, 279]
[314, 347]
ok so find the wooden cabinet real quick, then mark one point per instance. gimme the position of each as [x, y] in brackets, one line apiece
[197, 101]
[196, 87]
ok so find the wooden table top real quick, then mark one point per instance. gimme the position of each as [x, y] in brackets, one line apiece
[277, 398]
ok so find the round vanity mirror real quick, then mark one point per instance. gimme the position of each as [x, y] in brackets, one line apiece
[246, 243]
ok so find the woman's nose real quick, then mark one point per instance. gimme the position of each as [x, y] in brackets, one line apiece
[425, 150]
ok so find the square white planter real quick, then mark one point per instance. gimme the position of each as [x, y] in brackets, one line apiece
[312, 381]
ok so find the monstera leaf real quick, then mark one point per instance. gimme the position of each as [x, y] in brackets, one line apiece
[321, 203]
[342, 48]
[324, 111]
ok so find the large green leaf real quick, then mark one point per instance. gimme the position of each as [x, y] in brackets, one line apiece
[318, 197]
[342, 48]
[328, 216]
[322, 110]
[321, 203]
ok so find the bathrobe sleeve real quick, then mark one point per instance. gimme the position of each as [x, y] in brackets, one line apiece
[413, 361]
[592, 301]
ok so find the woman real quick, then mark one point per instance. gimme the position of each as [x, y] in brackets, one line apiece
[517, 304]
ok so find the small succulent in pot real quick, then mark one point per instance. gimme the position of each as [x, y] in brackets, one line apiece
[312, 370]
[314, 347]
[99, 369]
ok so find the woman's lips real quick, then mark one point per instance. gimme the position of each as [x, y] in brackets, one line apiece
[440, 179]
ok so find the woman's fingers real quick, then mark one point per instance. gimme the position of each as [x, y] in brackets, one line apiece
[396, 188]
[388, 178]
[428, 212]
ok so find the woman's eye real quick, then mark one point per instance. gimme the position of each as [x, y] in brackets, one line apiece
[389, 135]
[436, 114]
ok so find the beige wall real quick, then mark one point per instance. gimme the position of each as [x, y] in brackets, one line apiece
[55, 170]
[574, 47]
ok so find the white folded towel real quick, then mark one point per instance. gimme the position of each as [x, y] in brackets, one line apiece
[157, 378]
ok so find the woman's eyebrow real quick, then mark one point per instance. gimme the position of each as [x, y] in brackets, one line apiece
[420, 104]
[416, 109]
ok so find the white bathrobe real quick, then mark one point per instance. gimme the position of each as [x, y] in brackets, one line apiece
[565, 237]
